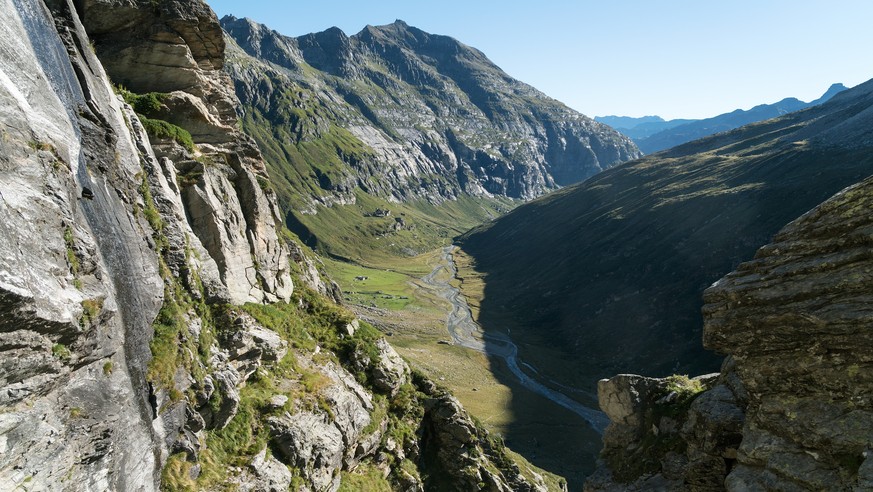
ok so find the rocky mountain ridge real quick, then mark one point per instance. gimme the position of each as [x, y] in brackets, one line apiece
[151, 335]
[427, 106]
[397, 116]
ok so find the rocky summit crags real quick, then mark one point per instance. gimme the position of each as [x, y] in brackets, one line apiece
[396, 115]
[438, 118]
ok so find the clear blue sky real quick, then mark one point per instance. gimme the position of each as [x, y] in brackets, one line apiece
[673, 58]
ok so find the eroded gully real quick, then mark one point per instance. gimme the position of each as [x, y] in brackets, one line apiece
[466, 333]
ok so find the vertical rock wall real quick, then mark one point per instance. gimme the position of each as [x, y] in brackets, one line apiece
[79, 269]
[78, 279]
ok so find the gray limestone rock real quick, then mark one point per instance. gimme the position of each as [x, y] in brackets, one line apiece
[270, 475]
[311, 444]
[227, 381]
[390, 371]
[249, 345]
[177, 48]
[79, 284]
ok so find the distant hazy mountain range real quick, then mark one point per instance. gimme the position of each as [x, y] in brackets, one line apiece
[653, 133]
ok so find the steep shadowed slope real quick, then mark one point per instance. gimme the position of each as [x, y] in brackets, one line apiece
[610, 271]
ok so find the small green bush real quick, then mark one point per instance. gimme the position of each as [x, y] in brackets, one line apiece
[72, 259]
[90, 310]
[61, 351]
[147, 104]
[683, 385]
[161, 129]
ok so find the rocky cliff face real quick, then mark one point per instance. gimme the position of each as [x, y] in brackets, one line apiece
[422, 116]
[79, 278]
[791, 409]
[150, 334]
[795, 320]
[174, 51]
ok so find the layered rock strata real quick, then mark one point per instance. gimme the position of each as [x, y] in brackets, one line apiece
[796, 321]
[791, 409]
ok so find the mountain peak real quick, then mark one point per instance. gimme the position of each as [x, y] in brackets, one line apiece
[832, 91]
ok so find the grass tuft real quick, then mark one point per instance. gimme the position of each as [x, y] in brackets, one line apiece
[161, 129]
[61, 351]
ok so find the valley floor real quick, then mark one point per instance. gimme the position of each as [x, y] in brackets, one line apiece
[411, 303]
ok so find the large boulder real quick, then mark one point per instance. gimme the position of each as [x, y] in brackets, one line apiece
[312, 444]
[390, 372]
[269, 475]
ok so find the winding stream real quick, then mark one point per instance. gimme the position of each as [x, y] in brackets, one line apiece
[466, 333]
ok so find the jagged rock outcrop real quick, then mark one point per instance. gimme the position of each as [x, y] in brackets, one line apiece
[267, 475]
[466, 453]
[674, 433]
[176, 49]
[796, 321]
[385, 367]
[321, 442]
[791, 409]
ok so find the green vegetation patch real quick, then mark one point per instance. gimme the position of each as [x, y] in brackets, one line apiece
[308, 320]
[90, 311]
[147, 106]
[365, 478]
[72, 257]
[161, 129]
[61, 351]
[176, 475]
[684, 386]
[172, 345]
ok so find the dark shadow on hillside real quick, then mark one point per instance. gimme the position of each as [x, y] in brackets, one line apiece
[607, 278]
